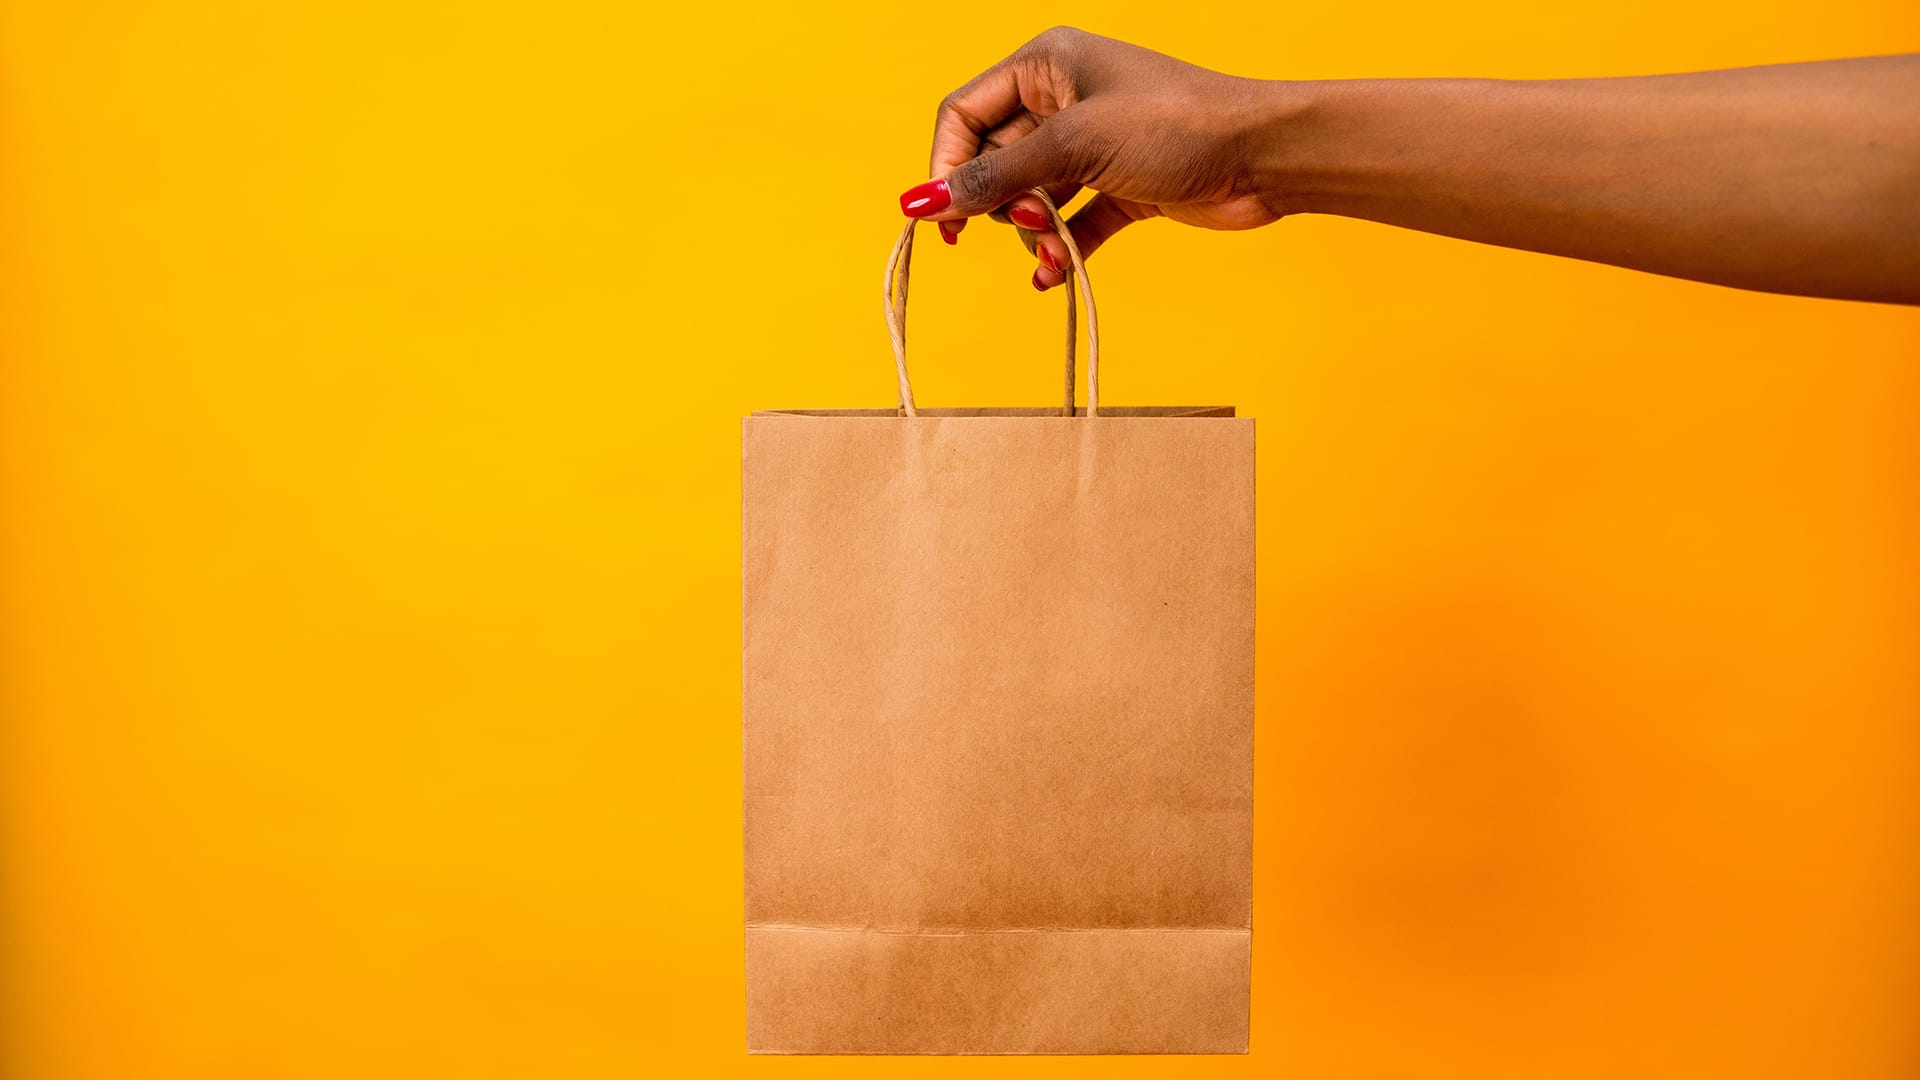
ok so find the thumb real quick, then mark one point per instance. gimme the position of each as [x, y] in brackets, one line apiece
[1037, 159]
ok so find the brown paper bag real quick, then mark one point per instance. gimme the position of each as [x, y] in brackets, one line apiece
[998, 725]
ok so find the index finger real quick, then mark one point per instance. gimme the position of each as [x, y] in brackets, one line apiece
[970, 112]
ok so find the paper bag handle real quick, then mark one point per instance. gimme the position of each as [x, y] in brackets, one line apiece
[894, 294]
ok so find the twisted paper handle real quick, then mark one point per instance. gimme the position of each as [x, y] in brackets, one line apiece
[894, 295]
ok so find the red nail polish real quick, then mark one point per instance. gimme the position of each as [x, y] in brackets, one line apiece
[1028, 218]
[1046, 257]
[1036, 282]
[926, 200]
[949, 232]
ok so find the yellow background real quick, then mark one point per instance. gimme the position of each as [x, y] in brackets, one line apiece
[368, 448]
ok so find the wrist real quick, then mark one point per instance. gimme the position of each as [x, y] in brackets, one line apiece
[1288, 153]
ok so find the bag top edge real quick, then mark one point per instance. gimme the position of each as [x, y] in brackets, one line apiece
[1015, 412]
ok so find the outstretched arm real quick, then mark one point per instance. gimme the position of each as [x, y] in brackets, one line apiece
[1795, 178]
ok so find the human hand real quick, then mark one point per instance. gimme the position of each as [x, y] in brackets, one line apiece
[1154, 136]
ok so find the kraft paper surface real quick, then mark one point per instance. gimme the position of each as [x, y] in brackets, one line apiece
[998, 682]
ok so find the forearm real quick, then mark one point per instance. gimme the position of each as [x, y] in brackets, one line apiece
[1800, 178]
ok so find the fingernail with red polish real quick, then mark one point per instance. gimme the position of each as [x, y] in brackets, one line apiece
[926, 199]
[1036, 282]
[1028, 218]
[949, 232]
[1046, 257]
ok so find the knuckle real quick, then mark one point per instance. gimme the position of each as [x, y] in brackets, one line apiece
[974, 182]
[1053, 41]
[948, 106]
[954, 106]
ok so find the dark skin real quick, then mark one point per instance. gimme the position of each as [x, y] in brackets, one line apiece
[1792, 178]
